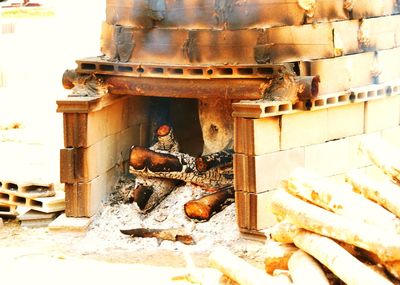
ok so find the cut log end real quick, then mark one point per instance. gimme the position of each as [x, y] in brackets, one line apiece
[203, 209]
[163, 130]
[197, 210]
[141, 196]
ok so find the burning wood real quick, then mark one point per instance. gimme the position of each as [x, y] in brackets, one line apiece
[160, 168]
[161, 164]
[204, 208]
[161, 234]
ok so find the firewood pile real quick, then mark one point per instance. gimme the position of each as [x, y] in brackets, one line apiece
[161, 168]
[331, 232]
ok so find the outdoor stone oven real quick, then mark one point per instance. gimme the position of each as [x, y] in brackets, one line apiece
[291, 83]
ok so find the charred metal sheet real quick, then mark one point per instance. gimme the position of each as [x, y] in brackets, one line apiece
[131, 69]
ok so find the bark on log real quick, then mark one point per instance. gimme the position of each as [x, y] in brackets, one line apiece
[84, 85]
[218, 159]
[180, 166]
[339, 198]
[326, 251]
[165, 140]
[384, 193]
[277, 256]
[229, 88]
[384, 243]
[163, 234]
[239, 270]
[204, 208]
[305, 270]
[338, 260]
[383, 155]
[149, 192]
[288, 87]
[282, 276]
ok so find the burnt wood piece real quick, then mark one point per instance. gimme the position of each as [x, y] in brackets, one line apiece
[89, 85]
[308, 89]
[165, 140]
[161, 234]
[215, 116]
[250, 89]
[161, 164]
[204, 208]
[150, 191]
[231, 88]
[218, 159]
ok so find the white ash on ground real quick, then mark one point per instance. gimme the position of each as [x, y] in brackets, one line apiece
[220, 230]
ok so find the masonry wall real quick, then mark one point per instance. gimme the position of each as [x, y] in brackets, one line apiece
[98, 135]
[270, 145]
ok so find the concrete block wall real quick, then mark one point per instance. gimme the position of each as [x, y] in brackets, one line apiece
[268, 147]
[98, 135]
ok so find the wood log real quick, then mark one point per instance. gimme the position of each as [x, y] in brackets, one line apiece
[216, 124]
[277, 256]
[282, 276]
[338, 260]
[383, 155]
[289, 87]
[308, 89]
[384, 193]
[384, 243]
[149, 192]
[339, 198]
[165, 140]
[83, 84]
[286, 232]
[161, 164]
[305, 270]
[204, 208]
[282, 232]
[218, 159]
[161, 234]
[239, 270]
